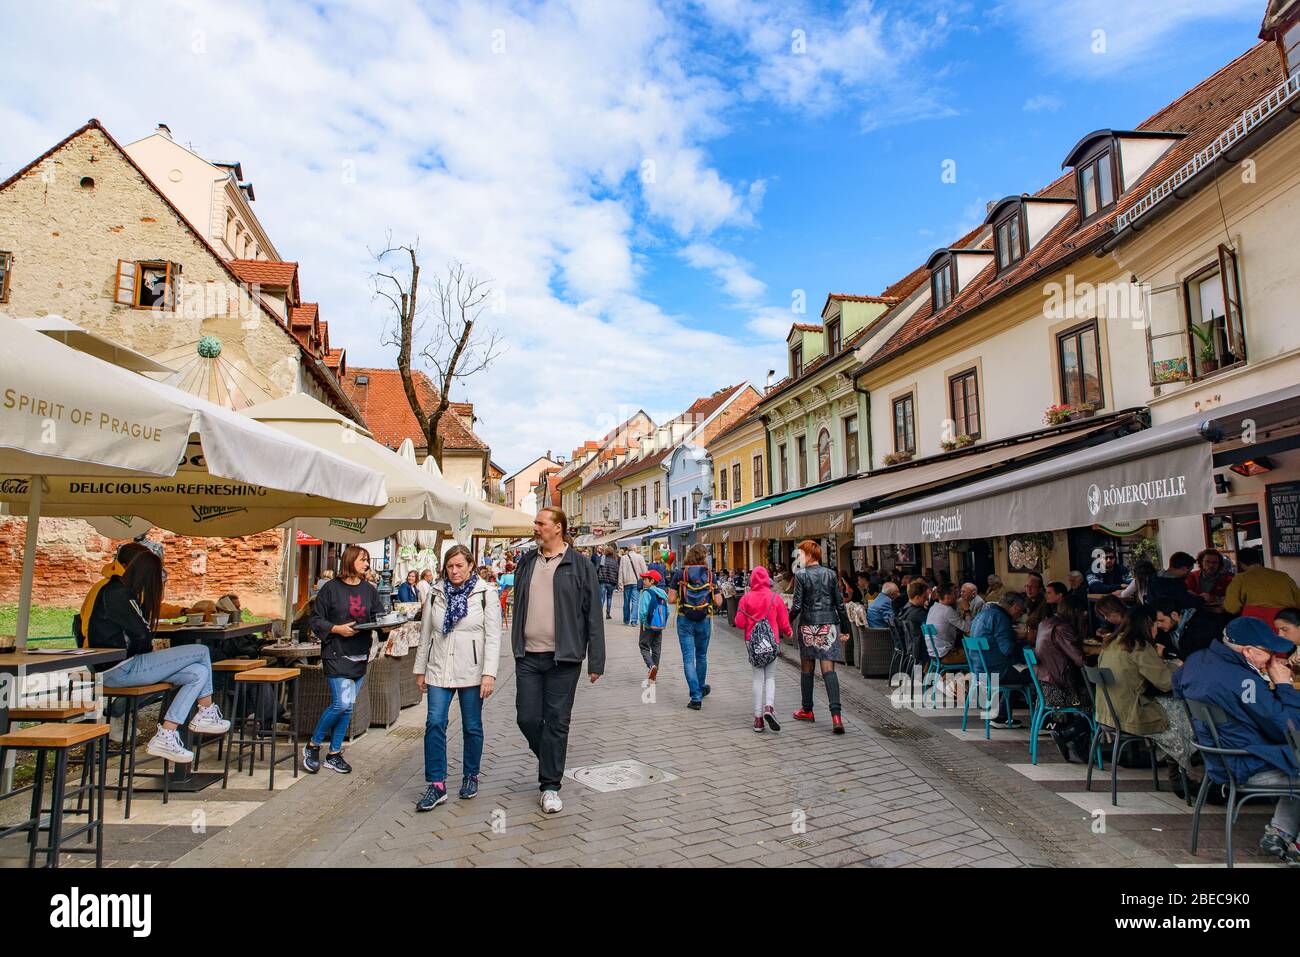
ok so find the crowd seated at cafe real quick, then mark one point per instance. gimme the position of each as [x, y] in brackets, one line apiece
[914, 611]
[1187, 629]
[1257, 591]
[1058, 646]
[881, 610]
[1210, 580]
[949, 624]
[1110, 613]
[1247, 676]
[1171, 582]
[1136, 663]
[1110, 579]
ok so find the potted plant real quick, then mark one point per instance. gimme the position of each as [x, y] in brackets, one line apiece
[1205, 352]
[965, 440]
[1146, 548]
[948, 445]
[898, 458]
[1084, 410]
[1056, 414]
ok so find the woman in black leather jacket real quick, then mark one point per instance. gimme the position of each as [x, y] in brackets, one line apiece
[818, 606]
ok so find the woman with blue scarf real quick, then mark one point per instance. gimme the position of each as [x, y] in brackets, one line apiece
[460, 644]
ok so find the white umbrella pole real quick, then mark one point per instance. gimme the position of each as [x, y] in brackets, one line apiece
[290, 578]
[29, 562]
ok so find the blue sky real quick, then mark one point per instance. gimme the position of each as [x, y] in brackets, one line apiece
[646, 184]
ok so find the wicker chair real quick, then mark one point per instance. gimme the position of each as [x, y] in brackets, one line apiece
[314, 698]
[877, 648]
[408, 691]
[383, 681]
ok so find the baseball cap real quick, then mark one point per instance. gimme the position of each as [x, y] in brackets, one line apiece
[651, 574]
[1257, 633]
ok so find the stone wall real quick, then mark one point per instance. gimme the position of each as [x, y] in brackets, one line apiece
[70, 555]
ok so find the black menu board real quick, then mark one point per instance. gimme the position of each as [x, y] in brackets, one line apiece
[1283, 503]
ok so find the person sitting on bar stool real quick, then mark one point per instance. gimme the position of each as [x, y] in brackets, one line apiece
[125, 615]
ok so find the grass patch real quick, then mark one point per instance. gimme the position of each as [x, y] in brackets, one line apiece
[47, 621]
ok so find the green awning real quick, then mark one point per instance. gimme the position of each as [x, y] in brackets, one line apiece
[761, 503]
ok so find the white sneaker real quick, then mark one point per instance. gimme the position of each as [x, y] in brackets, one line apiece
[167, 744]
[209, 721]
[551, 803]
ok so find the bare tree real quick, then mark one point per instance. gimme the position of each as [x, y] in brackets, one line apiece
[449, 340]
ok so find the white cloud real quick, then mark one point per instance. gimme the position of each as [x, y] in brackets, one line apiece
[1095, 37]
[1042, 103]
[734, 272]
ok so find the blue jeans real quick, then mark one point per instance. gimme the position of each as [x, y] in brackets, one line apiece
[607, 595]
[631, 603]
[435, 731]
[335, 719]
[188, 666]
[694, 638]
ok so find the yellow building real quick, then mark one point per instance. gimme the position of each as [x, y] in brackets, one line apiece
[740, 476]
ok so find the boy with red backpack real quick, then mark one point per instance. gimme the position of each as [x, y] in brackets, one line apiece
[653, 618]
[696, 595]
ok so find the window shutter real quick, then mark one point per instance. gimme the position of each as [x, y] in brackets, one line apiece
[125, 285]
[1232, 302]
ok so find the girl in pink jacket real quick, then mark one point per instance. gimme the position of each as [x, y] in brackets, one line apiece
[762, 603]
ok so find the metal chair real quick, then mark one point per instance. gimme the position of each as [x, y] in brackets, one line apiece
[1042, 710]
[983, 678]
[1104, 679]
[937, 669]
[900, 659]
[1211, 715]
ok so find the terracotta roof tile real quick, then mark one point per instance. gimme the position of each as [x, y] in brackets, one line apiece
[1202, 114]
[388, 416]
[268, 273]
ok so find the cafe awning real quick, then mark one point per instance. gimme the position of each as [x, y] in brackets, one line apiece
[604, 538]
[651, 534]
[1159, 472]
[630, 539]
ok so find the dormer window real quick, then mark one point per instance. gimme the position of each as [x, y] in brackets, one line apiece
[833, 337]
[796, 361]
[1095, 183]
[1009, 233]
[943, 282]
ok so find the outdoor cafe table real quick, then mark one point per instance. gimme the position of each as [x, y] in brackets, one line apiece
[17, 665]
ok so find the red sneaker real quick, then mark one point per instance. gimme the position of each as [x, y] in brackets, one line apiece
[654, 671]
[837, 725]
[802, 715]
[758, 724]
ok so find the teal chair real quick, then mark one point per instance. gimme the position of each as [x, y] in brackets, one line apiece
[975, 648]
[1042, 710]
[937, 668]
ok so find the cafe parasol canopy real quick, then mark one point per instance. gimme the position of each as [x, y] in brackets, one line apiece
[81, 437]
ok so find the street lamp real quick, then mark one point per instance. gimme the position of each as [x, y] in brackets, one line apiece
[606, 513]
[696, 497]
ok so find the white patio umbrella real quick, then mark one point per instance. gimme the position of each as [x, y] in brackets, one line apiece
[83, 340]
[81, 437]
[415, 498]
[406, 538]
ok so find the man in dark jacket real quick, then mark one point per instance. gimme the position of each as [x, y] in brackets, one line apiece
[1241, 675]
[1188, 629]
[557, 623]
[995, 624]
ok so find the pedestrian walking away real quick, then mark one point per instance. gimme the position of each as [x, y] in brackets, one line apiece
[557, 624]
[460, 646]
[693, 590]
[819, 606]
[653, 619]
[607, 573]
[765, 619]
[630, 569]
[345, 650]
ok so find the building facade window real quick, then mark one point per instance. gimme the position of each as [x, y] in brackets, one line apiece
[1096, 179]
[796, 361]
[824, 467]
[905, 424]
[1010, 240]
[625, 515]
[657, 503]
[147, 285]
[784, 473]
[851, 444]
[737, 496]
[801, 450]
[674, 511]
[1215, 329]
[722, 485]
[758, 476]
[6, 269]
[643, 511]
[964, 403]
[1078, 359]
[943, 283]
[833, 338]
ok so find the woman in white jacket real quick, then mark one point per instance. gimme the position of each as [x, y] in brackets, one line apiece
[460, 644]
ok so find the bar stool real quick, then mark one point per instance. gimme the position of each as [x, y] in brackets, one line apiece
[228, 666]
[136, 696]
[59, 739]
[272, 679]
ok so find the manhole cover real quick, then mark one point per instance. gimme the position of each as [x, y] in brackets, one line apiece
[799, 843]
[618, 776]
[406, 732]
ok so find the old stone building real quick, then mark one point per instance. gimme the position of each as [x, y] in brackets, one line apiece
[89, 236]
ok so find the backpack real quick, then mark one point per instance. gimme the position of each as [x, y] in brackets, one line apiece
[658, 617]
[761, 647]
[695, 599]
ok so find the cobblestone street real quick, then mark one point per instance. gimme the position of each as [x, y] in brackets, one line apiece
[799, 797]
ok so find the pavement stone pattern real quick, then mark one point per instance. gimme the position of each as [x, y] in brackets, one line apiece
[867, 798]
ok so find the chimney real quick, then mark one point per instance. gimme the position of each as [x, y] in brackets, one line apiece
[165, 130]
[771, 375]
[680, 430]
[647, 445]
[988, 207]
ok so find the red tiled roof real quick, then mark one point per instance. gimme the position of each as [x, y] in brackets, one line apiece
[268, 273]
[383, 403]
[807, 327]
[1201, 113]
[334, 360]
[736, 426]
